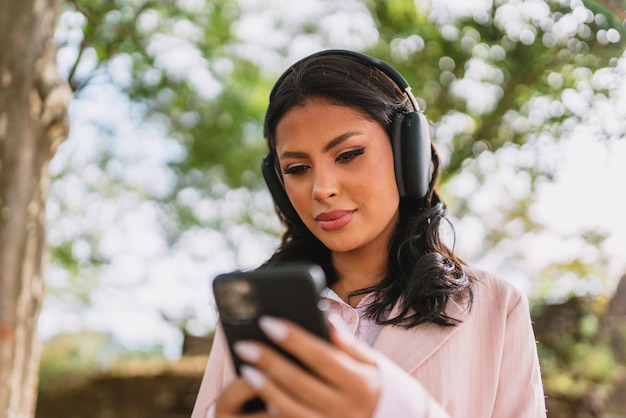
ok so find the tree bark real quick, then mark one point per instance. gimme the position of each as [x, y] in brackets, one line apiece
[613, 334]
[33, 122]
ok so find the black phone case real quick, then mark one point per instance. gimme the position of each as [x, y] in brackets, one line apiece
[290, 292]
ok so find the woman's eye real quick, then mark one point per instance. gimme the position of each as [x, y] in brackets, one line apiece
[349, 155]
[294, 169]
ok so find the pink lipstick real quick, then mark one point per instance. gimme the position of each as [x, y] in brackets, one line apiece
[334, 219]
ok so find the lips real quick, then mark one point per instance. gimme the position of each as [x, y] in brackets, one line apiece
[334, 219]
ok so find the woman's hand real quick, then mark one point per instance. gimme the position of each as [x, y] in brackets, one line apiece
[232, 399]
[342, 380]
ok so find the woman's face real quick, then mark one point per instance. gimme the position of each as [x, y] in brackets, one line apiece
[339, 175]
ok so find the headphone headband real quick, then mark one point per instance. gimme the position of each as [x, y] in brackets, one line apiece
[387, 69]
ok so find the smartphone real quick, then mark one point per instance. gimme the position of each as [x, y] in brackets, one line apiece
[288, 291]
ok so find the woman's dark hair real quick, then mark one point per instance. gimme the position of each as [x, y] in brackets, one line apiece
[423, 274]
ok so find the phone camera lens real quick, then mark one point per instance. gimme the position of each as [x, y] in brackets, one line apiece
[238, 299]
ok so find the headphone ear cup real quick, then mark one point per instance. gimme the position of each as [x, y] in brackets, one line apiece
[415, 155]
[274, 182]
[395, 132]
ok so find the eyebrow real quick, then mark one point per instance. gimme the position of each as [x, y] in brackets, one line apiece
[330, 145]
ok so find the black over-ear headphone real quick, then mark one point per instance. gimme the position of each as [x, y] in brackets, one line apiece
[410, 141]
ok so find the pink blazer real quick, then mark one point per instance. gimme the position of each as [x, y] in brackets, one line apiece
[485, 367]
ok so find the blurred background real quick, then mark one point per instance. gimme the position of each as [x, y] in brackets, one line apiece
[158, 187]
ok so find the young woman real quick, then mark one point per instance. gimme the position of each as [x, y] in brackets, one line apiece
[416, 332]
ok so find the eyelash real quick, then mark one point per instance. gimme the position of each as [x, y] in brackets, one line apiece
[349, 155]
[342, 158]
[294, 170]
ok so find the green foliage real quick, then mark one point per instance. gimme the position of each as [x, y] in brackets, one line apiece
[521, 55]
[580, 372]
[614, 11]
[144, 35]
[179, 63]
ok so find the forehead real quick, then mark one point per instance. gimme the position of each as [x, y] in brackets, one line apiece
[319, 120]
[309, 130]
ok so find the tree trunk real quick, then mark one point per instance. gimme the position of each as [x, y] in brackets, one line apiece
[613, 333]
[33, 122]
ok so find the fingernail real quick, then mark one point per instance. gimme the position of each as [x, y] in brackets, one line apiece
[273, 328]
[247, 351]
[253, 376]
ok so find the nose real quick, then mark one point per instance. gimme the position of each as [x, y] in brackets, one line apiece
[325, 185]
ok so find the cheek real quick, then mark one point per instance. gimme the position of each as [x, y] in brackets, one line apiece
[296, 194]
[383, 181]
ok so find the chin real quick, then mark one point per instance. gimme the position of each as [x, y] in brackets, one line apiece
[340, 241]
[338, 246]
